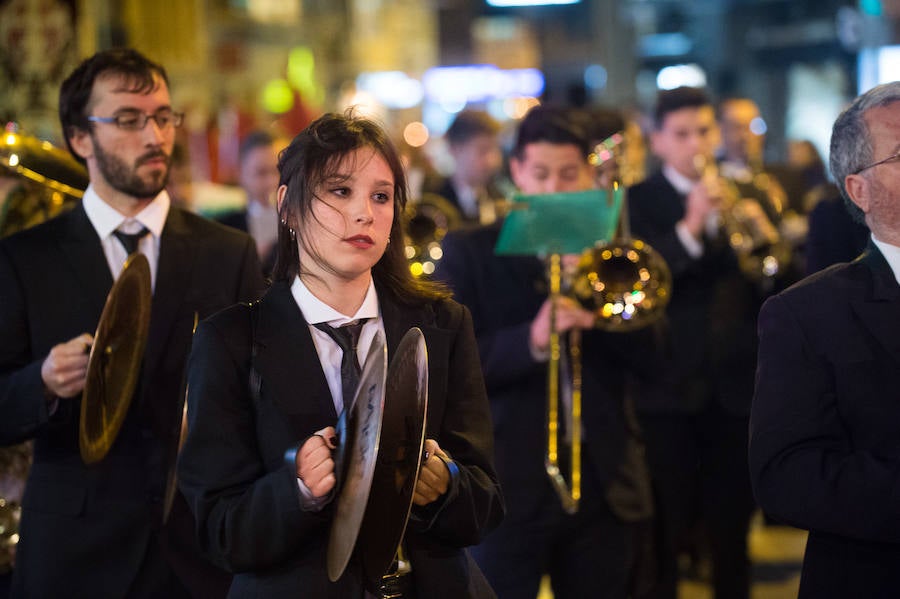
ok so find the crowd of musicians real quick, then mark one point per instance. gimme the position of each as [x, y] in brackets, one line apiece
[758, 388]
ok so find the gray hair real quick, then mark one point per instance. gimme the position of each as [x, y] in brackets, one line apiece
[851, 146]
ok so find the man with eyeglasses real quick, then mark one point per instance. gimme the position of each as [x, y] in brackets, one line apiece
[99, 530]
[825, 422]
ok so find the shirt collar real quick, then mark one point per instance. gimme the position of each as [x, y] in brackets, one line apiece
[891, 253]
[682, 184]
[254, 208]
[107, 219]
[315, 310]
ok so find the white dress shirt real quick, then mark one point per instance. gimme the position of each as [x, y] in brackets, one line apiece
[107, 219]
[891, 254]
[262, 224]
[316, 311]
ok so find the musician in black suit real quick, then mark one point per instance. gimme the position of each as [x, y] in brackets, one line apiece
[266, 514]
[824, 454]
[595, 552]
[97, 530]
[258, 177]
[471, 188]
[695, 413]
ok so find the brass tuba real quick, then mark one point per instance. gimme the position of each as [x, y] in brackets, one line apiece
[45, 180]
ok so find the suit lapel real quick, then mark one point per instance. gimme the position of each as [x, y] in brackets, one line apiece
[398, 320]
[287, 358]
[173, 277]
[82, 250]
[879, 308]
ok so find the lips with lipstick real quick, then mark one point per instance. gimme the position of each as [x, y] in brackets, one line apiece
[360, 241]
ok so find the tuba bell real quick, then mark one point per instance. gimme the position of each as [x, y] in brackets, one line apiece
[46, 180]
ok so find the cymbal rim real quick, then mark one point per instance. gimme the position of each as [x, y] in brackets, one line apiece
[363, 424]
[133, 284]
[393, 484]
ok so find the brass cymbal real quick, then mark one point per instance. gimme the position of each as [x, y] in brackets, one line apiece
[115, 360]
[397, 468]
[358, 432]
[42, 162]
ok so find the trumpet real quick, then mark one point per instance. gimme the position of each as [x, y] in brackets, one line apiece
[747, 213]
[626, 284]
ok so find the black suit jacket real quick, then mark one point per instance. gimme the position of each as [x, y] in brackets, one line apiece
[711, 315]
[245, 497]
[237, 219]
[445, 189]
[825, 426]
[86, 529]
[504, 294]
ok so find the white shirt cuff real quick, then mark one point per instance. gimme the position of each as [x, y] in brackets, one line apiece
[692, 245]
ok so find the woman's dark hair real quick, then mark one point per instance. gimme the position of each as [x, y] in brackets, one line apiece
[312, 158]
[138, 72]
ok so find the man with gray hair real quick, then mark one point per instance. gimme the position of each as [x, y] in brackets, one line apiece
[825, 422]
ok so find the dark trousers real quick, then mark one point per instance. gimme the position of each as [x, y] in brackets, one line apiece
[590, 554]
[698, 462]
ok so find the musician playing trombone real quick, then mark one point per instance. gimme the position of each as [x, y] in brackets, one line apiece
[267, 384]
[593, 552]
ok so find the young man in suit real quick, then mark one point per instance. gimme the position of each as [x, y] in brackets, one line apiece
[825, 420]
[695, 413]
[258, 177]
[472, 140]
[593, 553]
[98, 530]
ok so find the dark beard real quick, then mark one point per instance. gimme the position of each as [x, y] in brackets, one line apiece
[126, 180]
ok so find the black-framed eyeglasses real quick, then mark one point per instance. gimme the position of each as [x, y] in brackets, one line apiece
[890, 158]
[135, 120]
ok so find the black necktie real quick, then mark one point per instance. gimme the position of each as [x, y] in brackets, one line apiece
[347, 338]
[130, 241]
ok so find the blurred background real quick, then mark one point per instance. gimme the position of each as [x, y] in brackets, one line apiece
[242, 65]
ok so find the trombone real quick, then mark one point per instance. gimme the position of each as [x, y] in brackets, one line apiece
[569, 497]
[627, 286]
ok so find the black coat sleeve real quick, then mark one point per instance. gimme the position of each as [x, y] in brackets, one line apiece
[474, 504]
[236, 499]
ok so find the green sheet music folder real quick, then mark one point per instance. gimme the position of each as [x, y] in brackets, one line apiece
[559, 223]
